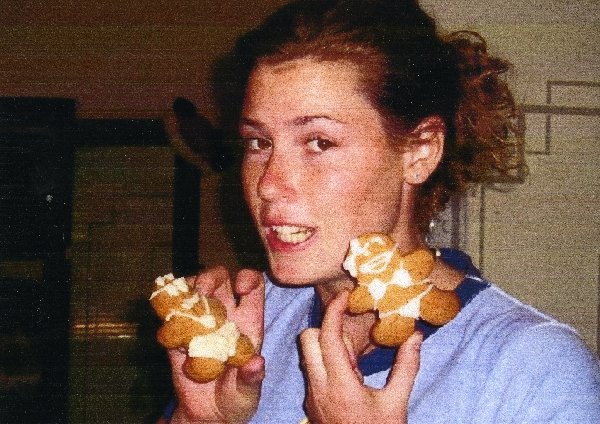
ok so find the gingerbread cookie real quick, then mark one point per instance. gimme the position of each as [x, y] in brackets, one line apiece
[198, 324]
[397, 287]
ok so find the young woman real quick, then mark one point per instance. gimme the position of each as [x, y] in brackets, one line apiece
[359, 117]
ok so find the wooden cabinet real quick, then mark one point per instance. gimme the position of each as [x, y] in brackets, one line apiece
[91, 211]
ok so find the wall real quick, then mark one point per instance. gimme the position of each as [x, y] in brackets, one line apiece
[128, 59]
[131, 59]
[540, 240]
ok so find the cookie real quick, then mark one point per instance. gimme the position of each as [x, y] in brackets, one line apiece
[397, 287]
[199, 325]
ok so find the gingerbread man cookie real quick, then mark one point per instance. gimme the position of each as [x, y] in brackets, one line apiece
[397, 287]
[198, 324]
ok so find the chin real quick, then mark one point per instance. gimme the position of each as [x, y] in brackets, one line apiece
[292, 277]
[307, 275]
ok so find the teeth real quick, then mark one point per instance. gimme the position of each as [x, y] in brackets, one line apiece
[291, 233]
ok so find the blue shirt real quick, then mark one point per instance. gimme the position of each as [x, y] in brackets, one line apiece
[498, 361]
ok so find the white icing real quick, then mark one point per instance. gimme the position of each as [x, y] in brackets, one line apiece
[412, 309]
[374, 239]
[190, 301]
[180, 284]
[401, 278]
[377, 289]
[350, 261]
[165, 279]
[207, 321]
[172, 290]
[170, 285]
[206, 305]
[219, 345]
[356, 250]
[378, 263]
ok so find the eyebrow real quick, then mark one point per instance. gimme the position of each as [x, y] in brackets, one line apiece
[302, 120]
[251, 122]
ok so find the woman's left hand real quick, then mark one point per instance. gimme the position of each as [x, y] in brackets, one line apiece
[336, 393]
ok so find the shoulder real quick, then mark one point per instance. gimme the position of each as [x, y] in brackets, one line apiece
[549, 372]
[551, 352]
[512, 326]
[511, 362]
[513, 339]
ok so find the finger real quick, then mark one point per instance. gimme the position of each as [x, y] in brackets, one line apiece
[312, 360]
[247, 280]
[334, 350]
[250, 312]
[177, 358]
[185, 389]
[405, 368]
[224, 293]
[208, 281]
[251, 375]
[216, 282]
[242, 384]
[353, 358]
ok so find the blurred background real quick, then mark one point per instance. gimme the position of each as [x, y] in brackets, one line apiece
[114, 170]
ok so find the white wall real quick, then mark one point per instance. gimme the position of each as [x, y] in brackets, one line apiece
[541, 240]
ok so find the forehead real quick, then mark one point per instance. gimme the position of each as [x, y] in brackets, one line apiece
[302, 86]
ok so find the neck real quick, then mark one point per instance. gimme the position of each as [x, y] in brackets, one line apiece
[405, 231]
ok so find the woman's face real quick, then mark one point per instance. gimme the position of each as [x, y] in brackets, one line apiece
[318, 169]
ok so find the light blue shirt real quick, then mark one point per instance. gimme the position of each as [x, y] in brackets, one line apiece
[498, 361]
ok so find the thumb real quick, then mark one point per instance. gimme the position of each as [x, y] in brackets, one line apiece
[238, 391]
[406, 366]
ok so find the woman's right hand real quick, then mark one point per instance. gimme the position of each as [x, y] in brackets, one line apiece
[233, 397]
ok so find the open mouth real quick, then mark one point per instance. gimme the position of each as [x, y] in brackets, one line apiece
[291, 233]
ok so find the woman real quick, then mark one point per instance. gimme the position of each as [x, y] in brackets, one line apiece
[357, 117]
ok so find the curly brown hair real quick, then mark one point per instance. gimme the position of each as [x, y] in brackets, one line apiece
[411, 72]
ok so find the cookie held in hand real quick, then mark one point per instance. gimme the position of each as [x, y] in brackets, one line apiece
[199, 325]
[397, 287]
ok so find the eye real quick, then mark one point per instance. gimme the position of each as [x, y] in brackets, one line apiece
[257, 144]
[319, 145]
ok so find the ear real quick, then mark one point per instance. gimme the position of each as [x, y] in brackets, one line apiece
[424, 151]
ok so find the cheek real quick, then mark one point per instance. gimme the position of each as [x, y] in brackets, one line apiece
[364, 201]
[250, 178]
[339, 196]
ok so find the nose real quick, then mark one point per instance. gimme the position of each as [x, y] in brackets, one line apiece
[279, 179]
